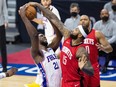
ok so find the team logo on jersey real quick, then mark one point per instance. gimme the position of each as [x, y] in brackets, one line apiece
[51, 57]
[67, 51]
[89, 41]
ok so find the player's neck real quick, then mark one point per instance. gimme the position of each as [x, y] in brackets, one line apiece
[43, 47]
[76, 42]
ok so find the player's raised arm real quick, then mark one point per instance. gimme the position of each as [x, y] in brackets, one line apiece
[33, 34]
[52, 18]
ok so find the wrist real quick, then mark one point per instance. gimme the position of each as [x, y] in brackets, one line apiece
[7, 75]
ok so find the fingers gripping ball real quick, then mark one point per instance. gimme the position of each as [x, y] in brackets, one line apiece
[30, 12]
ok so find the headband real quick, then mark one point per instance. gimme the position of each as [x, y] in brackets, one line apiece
[82, 31]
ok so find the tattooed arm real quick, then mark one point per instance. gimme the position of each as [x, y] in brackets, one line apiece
[53, 19]
[83, 61]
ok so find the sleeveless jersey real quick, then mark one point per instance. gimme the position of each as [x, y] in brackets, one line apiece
[69, 64]
[89, 42]
[49, 71]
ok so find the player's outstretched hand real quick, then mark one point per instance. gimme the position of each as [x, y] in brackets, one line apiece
[11, 72]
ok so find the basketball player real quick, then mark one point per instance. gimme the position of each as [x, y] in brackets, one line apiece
[9, 73]
[72, 54]
[94, 41]
[49, 73]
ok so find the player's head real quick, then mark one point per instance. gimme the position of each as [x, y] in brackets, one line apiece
[104, 15]
[46, 3]
[85, 21]
[74, 9]
[79, 32]
[42, 39]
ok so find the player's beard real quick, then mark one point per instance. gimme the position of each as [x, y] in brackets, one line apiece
[44, 43]
[73, 36]
[86, 26]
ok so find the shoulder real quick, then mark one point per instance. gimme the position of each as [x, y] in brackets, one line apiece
[97, 24]
[53, 8]
[98, 34]
[112, 23]
[68, 19]
[107, 4]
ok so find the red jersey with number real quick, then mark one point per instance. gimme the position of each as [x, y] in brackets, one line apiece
[71, 74]
[90, 44]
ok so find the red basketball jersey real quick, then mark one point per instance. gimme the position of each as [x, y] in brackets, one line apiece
[89, 42]
[69, 63]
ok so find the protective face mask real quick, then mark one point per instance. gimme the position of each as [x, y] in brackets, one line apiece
[114, 7]
[74, 14]
[105, 18]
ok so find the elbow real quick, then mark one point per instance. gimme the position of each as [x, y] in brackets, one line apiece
[110, 50]
[91, 72]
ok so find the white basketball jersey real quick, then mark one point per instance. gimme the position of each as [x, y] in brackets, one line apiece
[49, 71]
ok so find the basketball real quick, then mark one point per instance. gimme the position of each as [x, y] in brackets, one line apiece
[30, 12]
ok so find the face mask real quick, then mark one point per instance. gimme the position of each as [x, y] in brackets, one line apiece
[105, 18]
[73, 14]
[114, 7]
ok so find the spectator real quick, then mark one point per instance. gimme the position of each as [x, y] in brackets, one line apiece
[72, 22]
[113, 11]
[108, 27]
[48, 29]
[3, 26]
[109, 4]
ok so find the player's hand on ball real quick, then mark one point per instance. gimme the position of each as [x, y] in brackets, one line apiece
[30, 12]
[22, 10]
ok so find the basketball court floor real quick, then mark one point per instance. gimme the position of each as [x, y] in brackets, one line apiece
[19, 56]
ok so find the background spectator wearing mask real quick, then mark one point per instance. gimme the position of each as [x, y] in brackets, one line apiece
[113, 11]
[108, 5]
[108, 27]
[72, 22]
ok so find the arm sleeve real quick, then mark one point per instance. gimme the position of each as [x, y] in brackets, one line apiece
[113, 38]
[5, 11]
[95, 26]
